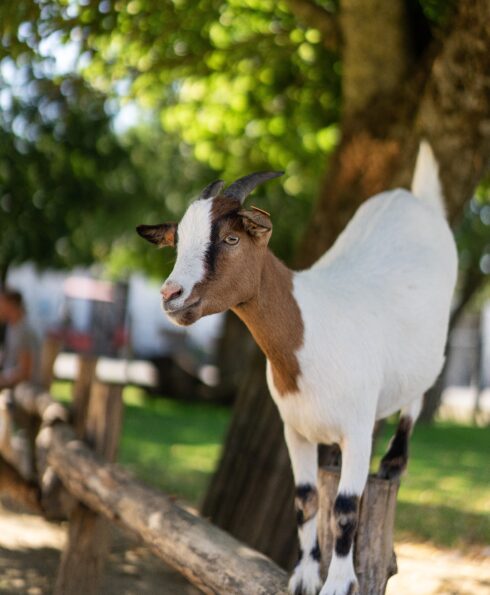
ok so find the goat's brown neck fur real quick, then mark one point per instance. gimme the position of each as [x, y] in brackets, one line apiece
[274, 319]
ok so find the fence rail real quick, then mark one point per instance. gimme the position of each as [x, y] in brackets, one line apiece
[208, 557]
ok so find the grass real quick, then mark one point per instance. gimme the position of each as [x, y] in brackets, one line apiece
[444, 497]
[172, 445]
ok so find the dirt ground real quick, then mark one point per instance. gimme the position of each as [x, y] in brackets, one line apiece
[30, 549]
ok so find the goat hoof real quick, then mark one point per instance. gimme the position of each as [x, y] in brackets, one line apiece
[305, 579]
[352, 588]
[391, 468]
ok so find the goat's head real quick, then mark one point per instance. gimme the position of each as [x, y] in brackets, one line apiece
[220, 251]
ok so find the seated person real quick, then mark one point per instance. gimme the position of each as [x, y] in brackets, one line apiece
[20, 361]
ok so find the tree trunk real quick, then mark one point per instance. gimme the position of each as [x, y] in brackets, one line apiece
[235, 351]
[251, 494]
[382, 123]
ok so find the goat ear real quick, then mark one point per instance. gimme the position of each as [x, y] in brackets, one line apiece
[161, 235]
[256, 222]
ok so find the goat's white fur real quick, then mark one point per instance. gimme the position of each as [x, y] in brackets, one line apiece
[426, 183]
[375, 310]
[194, 236]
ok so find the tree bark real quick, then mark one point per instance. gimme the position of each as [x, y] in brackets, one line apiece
[234, 353]
[251, 494]
[406, 97]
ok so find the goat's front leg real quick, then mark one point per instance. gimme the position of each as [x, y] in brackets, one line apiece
[356, 453]
[305, 579]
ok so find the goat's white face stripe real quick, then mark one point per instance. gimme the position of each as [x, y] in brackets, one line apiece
[194, 236]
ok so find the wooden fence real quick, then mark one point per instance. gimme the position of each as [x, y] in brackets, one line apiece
[73, 475]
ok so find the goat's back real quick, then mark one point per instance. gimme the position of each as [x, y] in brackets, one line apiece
[376, 306]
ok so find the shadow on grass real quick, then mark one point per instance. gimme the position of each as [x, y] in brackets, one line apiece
[172, 445]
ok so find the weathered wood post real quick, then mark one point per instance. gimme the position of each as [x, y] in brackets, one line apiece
[49, 352]
[81, 391]
[83, 559]
[374, 558]
[57, 502]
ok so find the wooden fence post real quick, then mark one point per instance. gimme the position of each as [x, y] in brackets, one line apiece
[81, 391]
[374, 557]
[58, 505]
[49, 352]
[83, 559]
[214, 561]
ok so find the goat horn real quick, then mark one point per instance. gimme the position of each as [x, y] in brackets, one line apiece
[212, 189]
[240, 189]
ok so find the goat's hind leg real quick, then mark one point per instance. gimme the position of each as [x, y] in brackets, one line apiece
[395, 460]
[305, 579]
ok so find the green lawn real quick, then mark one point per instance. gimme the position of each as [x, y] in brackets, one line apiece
[172, 445]
[444, 497]
[169, 444]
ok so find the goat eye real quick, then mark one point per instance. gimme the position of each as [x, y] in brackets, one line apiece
[232, 240]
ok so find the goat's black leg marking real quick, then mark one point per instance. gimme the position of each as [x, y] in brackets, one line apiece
[315, 553]
[306, 577]
[395, 460]
[344, 523]
[306, 503]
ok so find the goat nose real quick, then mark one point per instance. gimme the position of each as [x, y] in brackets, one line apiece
[171, 290]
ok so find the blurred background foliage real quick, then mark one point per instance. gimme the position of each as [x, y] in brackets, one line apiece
[120, 111]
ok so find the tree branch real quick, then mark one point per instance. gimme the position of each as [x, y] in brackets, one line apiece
[312, 15]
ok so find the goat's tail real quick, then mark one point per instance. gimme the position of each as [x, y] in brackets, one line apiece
[426, 183]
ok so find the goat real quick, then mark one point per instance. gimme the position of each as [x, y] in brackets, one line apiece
[357, 337]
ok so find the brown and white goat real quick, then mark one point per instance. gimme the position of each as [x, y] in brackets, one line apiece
[358, 336]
